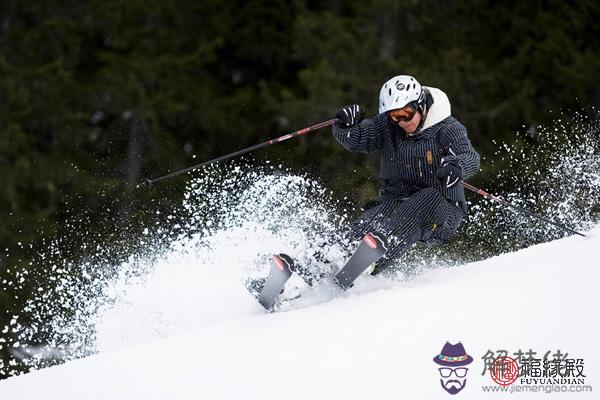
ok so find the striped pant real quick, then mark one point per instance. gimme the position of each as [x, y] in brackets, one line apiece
[426, 216]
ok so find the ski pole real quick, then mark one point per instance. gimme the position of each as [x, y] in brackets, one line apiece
[521, 210]
[148, 182]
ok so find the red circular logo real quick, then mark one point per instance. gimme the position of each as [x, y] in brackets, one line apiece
[504, 371]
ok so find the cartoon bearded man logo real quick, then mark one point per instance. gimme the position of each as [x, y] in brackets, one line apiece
[453, 372]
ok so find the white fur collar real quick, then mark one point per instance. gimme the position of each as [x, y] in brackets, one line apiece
[440, 109]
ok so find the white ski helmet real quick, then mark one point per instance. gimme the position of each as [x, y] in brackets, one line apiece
[399, 92]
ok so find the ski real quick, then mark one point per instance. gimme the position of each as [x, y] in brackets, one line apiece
[282, 266]
[267, 290]
[371, 248]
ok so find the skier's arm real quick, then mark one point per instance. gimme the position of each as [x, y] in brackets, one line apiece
[366, 137]
[460, 151]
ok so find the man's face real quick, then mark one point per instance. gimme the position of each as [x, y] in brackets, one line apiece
[408, 118]
[453, 379]
[412, 125]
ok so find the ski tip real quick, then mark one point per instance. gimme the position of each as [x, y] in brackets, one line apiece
[283, 262]
[279, 263]
[376, 240]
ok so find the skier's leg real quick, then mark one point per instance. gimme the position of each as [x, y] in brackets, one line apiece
[373, 218]
[426, 215]
[442, 223]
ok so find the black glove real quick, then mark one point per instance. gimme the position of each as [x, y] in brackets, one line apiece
[449, 173]
[348, 116]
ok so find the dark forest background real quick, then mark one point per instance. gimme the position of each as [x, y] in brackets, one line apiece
[96, 95]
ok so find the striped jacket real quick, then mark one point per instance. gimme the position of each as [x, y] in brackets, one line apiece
[409, 163]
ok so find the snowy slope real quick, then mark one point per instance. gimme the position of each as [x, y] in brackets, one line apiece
[375, 341]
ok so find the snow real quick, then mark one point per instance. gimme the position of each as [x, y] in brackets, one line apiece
[377, 340]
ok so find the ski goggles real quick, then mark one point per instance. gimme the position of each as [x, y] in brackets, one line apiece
[406, 113]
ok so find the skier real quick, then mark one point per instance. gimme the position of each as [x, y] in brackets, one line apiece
[425, 152]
